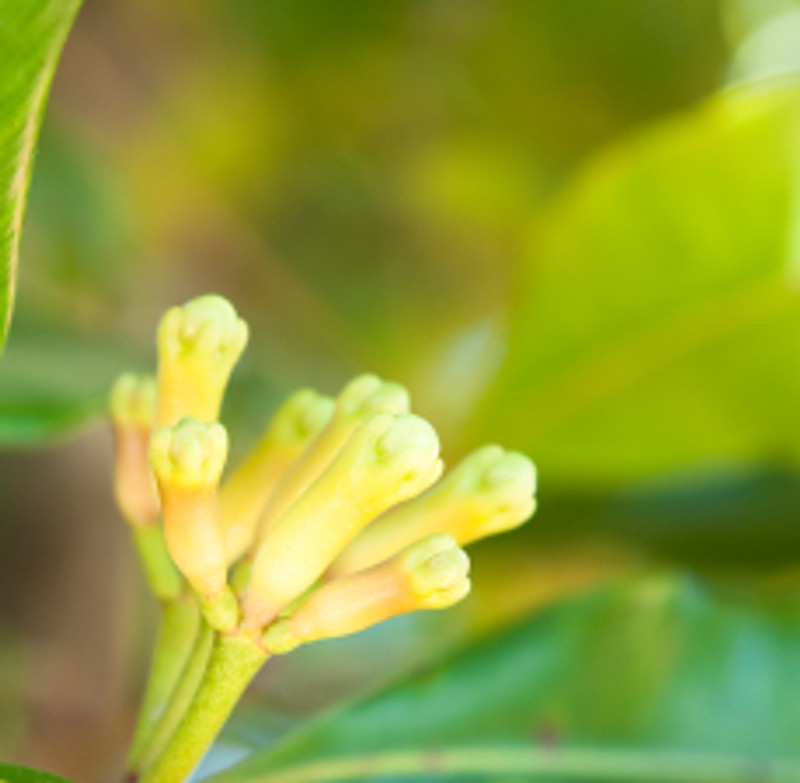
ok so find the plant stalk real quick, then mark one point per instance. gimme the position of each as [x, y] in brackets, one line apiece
[163, 578]
[233, 663]
[177, 630]
[180, 699]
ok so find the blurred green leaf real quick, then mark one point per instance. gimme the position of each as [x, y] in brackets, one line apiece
[78, 238]
[651, 677]
[659, 326]
[53, 381]
[31, 36]
[13, 774]
[736, 525]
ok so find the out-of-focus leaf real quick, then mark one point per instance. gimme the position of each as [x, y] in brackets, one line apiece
[660, 324]
[771, 50]
[13, 774]
[31, 36]
[646, 679]
[78, 236]
[52, 381]
[737, 524]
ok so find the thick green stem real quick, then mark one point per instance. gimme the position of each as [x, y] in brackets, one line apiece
[181, 697]
[179, 623]
[233, 663]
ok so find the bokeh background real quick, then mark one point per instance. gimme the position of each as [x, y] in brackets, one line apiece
[569, 226]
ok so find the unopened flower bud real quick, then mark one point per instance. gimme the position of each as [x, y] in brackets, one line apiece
[387, 460]
[361, 398]
[244, 493]
[198, 345]
[187, 459]
[436, 569]
[133, 407]
[431, 574]
[133, 400]
[488, 492]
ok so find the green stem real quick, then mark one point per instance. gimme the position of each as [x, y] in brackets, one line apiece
[181, 698]
[233, 663]
[177, 631]
[162, 576]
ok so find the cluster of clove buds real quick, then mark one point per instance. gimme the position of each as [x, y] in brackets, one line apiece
[338, 518]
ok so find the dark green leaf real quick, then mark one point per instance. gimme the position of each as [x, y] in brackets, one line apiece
[732, 524]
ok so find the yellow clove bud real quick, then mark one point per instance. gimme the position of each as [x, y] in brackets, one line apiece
[198, 346]
[362, 397]
[430, 574]
[387, 460]
[133, 409]
[187, 460]
[244, 493]
[490, 491]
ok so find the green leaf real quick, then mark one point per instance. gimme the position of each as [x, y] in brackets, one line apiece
[32, 33]
[733, 525]
[659, 327]
[12, 774]
[54, 381]
[649, 680]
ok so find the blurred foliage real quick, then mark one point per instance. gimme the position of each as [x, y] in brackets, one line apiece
[571, 226]
[31, 35]
[660, 323]
[652, 665]
[418, 154]
[53, 380]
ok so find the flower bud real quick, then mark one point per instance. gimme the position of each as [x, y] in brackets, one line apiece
[362, 397]
[244, 493]
[430, 574]
[198, 345]
[133, 408]
[490, 491]
[387, 460]
[187, 459]
[133, 400]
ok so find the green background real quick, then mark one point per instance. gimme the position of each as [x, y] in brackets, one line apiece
[571, 227]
